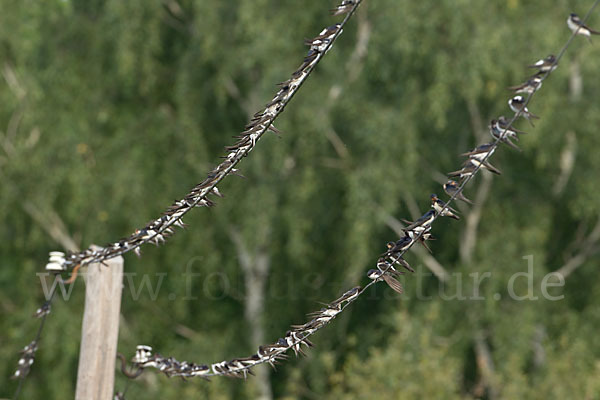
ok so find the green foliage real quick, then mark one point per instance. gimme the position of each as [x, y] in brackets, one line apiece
[113, 109]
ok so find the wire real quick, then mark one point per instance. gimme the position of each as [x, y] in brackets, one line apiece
[38, 335]
[223, 172]
[272, 359]
[496, 142]
[219, 173]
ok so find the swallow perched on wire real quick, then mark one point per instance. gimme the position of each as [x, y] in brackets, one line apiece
[350, 295]
[392, 282]
[422, 237]
[421, 224]
[481, 152]
[451, 187]
[533, 84]
[547, 64]
[501, 131]
[471, 165]
[574, 23]
[504, 124]
[438, 205]
[485, 165]
[517, 104]
[383, 263]
[385, 266]
[397, 247]
[320, 42]
[343, 8]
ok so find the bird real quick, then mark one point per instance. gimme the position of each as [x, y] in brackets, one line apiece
[330, 311]
[442, 208]
[325, 34]
[506, 125]
[451, 188]
[421, 224]
[392, 282]
[485, 165]
[481, 152]
[500, 131]
[547, 64]
[350, 295]
[576, 25]
[397, 247]
[517, 104]
[533, 84]
[383, 264]
[467, 170]
[470, 167]
[343, 8]
[421, 235]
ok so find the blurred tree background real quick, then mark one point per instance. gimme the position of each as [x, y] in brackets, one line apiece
[111, 109]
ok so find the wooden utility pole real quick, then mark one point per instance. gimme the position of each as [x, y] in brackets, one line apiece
[100, 330]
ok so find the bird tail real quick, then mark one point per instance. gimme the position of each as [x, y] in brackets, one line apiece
[511, 144]
[491, 168]
[452, 215]
[463, 198]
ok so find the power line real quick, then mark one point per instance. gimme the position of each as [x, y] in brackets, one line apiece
[158, 230]
[299, 335]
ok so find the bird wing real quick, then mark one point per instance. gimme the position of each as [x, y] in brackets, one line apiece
[393, 283]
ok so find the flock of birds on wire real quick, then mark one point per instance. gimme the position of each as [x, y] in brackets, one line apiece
[419, 230]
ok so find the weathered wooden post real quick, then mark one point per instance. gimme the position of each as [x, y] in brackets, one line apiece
[100, 330]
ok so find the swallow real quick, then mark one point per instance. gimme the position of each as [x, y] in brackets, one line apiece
[43, 310]
[266, 351]
[199, 370]
[350, 295]
[500, 131]
[503, 125]
[384, 265]
[533, 84]
[343, 8]
[421, 236]
[466, 171]
[442, 208]
[392, 282]
[310, 325]
[240, 370]
[401, 244]
[427, 235]
[295, 340]
[576, 25]
[547, 64]
[470, 166]
[481, 152]
[330, 311]
[318, 45]
[320, 42]
[397, 247]
[485, 165]
[327, 33]
[517, 104]
[421, 224]
[452, 188]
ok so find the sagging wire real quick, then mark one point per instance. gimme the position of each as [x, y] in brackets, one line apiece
[419, 231]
